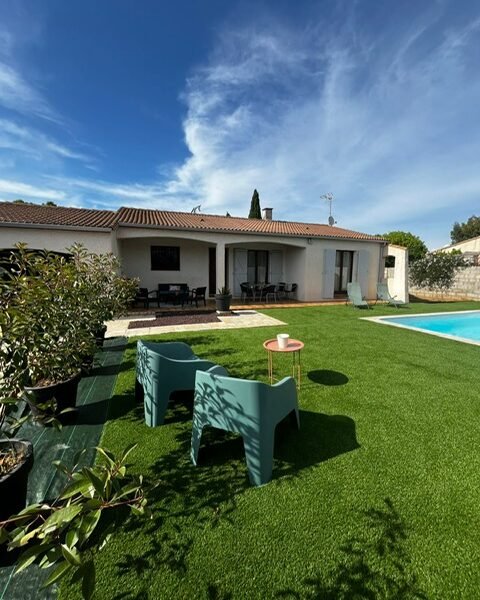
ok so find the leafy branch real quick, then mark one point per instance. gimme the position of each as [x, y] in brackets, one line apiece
[58, 535]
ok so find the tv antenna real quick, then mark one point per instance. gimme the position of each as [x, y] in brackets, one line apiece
[329, 198]
[196, 209]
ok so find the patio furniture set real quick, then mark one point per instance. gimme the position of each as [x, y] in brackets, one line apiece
[251, 408]
[266, 291]
[173, 293]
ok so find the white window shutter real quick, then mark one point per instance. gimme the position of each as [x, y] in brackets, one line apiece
[240, 262]
[328, 273]
[363, 270]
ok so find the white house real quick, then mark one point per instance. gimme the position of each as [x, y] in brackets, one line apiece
[470, 247]
[198, 249]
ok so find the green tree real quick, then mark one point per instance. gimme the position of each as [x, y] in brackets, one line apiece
[465, 231]
[49, 203]
[416, 247]
[255, 212]
[436, 270]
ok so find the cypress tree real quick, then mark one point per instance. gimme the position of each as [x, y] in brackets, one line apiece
[255, 212]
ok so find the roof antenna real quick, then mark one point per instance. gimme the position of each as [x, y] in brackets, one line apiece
[329, 198]
[196, 209]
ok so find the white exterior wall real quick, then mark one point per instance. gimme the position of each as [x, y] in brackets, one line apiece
[136, 262]
[294, 269]
[398, 283]
[303, 260]
[128, 237]
[472, 245]
[320, 267]
[56, 239]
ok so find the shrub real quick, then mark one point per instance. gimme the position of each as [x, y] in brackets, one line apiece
[436, 271]
[52, 307]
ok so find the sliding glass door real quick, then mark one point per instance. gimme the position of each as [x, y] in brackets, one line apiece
[257, 266]
[343, 270]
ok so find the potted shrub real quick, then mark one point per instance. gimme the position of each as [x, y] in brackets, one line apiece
[106, 294]
[223, 299]
[43, 337]
[55, 312]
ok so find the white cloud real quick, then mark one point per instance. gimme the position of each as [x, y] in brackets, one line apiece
[386, 120]
[19, 96]
[31, 142]
[389, 125]
[17, 189]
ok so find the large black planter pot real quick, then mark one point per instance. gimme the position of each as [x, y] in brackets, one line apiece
[13, 490]
[87, 365]
[64, 393]
[100, 335]
[222, 302]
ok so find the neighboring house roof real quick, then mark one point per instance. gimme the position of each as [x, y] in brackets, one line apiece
[35, 214]
[135, 217]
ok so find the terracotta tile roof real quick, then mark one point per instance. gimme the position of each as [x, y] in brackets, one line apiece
[34, 214]
[203, 222]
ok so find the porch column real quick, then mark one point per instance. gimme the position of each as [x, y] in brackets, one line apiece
[220, 266]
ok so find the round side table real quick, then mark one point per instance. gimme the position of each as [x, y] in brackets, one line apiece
[294, 347]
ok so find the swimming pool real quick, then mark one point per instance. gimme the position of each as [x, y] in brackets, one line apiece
[461, 326]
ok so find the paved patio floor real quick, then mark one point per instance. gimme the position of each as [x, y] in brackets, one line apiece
[239, 319]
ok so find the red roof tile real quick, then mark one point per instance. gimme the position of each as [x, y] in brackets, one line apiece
[34, 214]
[202, 222]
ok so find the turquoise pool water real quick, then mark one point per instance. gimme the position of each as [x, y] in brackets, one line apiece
[464, 325]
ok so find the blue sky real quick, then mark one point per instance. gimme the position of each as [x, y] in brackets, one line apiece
[174, 104]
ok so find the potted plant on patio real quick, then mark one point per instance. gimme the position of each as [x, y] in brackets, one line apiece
[223, 299]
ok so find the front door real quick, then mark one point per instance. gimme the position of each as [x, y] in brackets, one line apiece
[343, 270]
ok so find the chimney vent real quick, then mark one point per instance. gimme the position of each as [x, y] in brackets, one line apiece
[267, 214]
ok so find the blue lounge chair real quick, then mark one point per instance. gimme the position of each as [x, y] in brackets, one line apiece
[163, 368]
[354, 294]
[250, 408]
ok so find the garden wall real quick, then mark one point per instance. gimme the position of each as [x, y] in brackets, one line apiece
[466, 287]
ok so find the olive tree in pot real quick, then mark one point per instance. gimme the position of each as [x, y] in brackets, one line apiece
[42, 336]
[223, 299]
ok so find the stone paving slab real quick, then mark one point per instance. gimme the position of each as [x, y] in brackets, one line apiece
[238, 320]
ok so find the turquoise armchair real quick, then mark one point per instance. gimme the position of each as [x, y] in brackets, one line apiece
[250, 408]
[163, 368]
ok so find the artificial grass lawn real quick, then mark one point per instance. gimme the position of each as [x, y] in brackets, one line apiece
[377, 496]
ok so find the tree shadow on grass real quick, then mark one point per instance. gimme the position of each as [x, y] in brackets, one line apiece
[188, 498]
[374, 564]
[327, 377]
